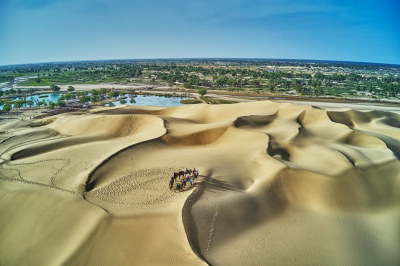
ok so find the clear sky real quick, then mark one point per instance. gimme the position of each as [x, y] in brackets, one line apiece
[66, 30]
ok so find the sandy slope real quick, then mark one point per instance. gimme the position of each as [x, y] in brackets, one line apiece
[279, 184]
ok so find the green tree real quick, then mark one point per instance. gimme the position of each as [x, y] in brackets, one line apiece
[7, 107]
[257, 83]
[18, 104]
[55, 88]
[38, 80]
[70, 89]
[69, 96]
[171, 82]
[85, 99]
[202, 91]
[113, 94]
[132, 92]
[95, 98]
[187, 85]
[318, 91]
[319, 76]
[61, 103]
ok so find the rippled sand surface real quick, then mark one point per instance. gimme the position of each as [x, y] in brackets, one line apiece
[280, 184]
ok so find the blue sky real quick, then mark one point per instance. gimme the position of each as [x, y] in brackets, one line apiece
[64, 30]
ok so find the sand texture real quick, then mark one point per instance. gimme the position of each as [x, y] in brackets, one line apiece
[280, 184]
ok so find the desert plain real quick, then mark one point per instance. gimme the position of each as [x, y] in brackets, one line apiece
[279, 184]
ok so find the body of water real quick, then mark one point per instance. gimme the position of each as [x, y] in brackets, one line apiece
[152, 100]
[146, 100]
[48, 97]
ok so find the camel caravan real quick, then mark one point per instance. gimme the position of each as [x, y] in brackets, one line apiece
[188, 175]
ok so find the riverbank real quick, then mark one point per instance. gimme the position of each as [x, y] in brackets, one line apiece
[230, 96]
[243, 96]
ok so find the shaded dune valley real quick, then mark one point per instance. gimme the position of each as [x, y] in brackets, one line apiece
[279, 184]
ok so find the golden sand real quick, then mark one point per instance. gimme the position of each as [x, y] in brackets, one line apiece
[280, 184]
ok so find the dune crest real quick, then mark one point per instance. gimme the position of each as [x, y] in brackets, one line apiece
[279, 184]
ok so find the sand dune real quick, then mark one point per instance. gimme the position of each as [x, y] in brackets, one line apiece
[280, 184]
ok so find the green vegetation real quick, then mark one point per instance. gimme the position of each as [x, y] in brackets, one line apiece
[202, 91]
[7, 107]
[60, 102]
[55, 88]
[6, 78]
[307, 78]
[84, 99]
[191, 101]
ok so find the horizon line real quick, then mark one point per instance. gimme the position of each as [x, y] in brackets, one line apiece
[203, 58]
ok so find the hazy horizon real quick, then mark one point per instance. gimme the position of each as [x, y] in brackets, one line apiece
[202, 58]
[40, 31]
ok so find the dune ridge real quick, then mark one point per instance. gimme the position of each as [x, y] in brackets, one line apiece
[279, 184]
